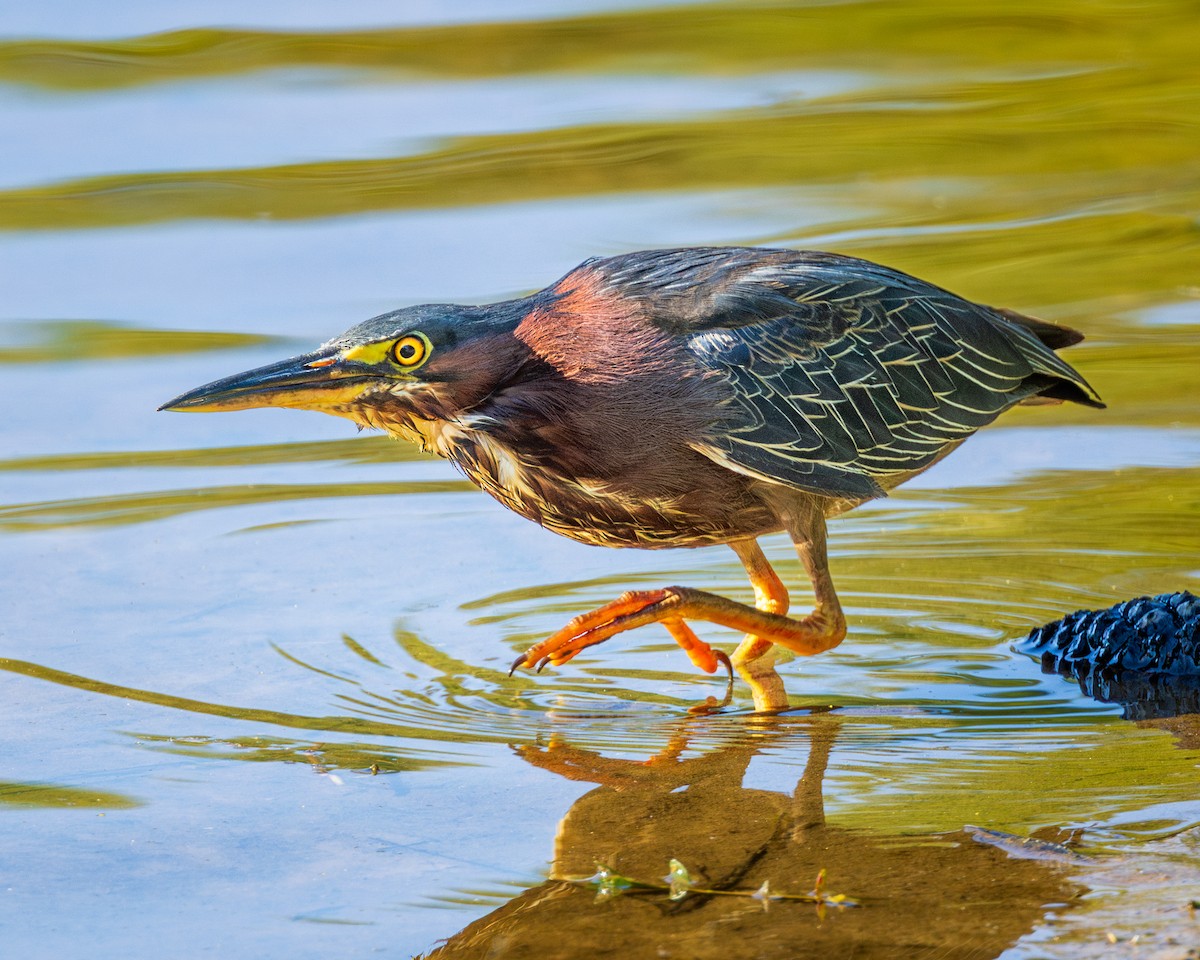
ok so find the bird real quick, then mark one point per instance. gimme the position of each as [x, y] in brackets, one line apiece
[683, 398]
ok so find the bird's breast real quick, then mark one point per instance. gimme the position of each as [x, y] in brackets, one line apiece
[716, 506]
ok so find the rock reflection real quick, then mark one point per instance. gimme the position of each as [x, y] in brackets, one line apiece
[942, 894]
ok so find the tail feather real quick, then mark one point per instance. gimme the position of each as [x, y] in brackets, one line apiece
[1061, 381]
[1051, 334]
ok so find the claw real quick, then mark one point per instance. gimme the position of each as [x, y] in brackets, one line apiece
[712, 704]
[723, 659]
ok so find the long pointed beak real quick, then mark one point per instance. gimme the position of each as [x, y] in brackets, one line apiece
[309, 381]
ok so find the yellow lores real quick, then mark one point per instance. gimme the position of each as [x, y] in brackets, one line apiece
[407, 352]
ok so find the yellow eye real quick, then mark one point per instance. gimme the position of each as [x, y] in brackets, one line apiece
[410, 351]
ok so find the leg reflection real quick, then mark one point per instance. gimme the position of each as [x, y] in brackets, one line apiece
[943, 893]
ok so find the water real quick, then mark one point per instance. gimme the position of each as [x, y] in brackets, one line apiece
[256, 692]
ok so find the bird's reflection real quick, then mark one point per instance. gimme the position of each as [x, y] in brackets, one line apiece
[943, 895]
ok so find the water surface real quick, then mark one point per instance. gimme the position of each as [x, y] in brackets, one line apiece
[256, 685]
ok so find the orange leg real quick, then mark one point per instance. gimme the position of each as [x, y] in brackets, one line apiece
[755, 655]
[765, 623]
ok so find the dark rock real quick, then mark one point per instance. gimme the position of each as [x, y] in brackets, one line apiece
[1142, 653]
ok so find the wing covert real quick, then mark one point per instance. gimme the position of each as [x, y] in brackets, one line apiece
[843, 373]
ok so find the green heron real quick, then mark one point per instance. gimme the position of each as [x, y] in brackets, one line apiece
[681, 398]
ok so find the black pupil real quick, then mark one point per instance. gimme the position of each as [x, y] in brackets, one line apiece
[407, 351]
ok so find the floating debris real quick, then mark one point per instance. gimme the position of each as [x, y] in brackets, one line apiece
[678, 880]
[608, 883]
[763, 894]
[678, 883]
[1026, 848]
[818, 883]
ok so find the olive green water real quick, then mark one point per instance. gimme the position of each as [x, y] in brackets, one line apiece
[255, 700]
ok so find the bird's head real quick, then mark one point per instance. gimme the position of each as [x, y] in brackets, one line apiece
[420, 363]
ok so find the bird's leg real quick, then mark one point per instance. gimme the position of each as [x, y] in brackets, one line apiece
[820, 630]
[754, 658]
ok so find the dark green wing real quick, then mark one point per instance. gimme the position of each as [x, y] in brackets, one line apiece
[843, 372]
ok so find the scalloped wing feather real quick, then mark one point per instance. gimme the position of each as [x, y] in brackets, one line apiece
[845, 373]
